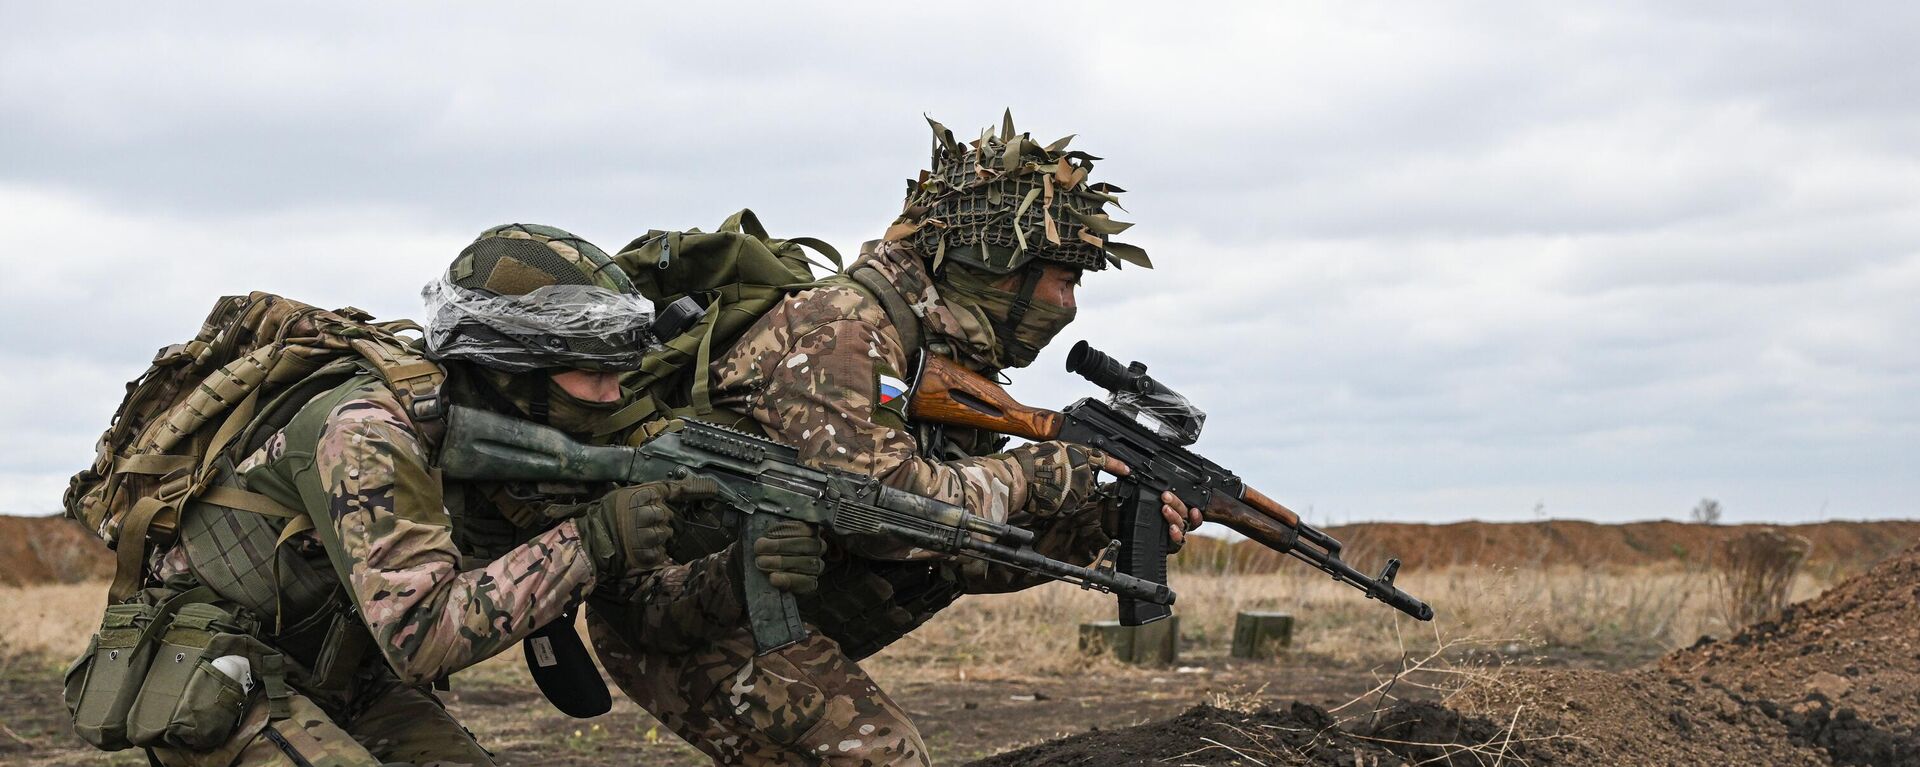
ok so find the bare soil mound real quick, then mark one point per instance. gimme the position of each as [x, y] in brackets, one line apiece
[50, 550]
[1833, 681]
[1422, 733]
[1848, 547]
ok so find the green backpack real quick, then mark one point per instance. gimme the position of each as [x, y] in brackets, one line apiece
[722, 282]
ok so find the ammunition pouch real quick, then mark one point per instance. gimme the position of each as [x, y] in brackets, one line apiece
[170, 669]
[102, 682]
[201, 679]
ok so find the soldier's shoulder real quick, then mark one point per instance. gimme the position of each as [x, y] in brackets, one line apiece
[828, 304]
[359, 402]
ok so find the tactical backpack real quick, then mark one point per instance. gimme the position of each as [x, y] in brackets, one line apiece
[199, 399]
[707, 289]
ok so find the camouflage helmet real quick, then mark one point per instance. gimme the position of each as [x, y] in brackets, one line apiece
[1005, 200]
[528, 297]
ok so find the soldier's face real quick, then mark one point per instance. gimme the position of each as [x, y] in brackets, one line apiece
[1055, 287]
[589, 385]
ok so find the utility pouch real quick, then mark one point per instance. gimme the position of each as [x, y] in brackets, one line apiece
[345, 646]
[199, 683]
[102, 683]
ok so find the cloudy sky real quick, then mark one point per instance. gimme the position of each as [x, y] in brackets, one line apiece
[1421, 261]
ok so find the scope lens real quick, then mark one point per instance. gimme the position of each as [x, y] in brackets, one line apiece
[1077, 356]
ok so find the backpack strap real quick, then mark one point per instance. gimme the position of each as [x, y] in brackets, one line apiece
[702, 393]
[414, 378]
[820, 246]
[895, 305]
[130, 549]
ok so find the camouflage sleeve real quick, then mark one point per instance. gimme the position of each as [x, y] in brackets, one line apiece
[680, 608]
[822, 395]
[395, 545]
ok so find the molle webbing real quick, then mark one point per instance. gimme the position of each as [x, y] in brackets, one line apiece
[198, 399]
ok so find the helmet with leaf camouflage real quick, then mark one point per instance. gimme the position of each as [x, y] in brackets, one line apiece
[1005, 200]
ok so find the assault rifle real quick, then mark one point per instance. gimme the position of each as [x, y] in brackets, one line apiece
[1148, 427]
[761, 482]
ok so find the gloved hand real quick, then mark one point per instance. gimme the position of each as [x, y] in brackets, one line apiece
[792, 554]
[1060, 475]
[627, 530]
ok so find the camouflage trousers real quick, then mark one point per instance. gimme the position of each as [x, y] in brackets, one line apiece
[805, 704]
[404, 726]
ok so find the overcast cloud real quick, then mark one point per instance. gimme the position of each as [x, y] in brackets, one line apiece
[1425, 261]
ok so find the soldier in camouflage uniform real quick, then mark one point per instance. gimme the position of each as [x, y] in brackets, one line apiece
[984, 259]
[530, 321]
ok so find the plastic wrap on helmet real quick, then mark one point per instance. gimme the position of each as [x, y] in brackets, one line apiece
[1166, 413]
[556, 326]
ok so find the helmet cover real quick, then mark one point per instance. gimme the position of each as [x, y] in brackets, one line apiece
[526, 297]
[1005, 200]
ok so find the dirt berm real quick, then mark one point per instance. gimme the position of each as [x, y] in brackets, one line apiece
[1833, 681]
[50, 550]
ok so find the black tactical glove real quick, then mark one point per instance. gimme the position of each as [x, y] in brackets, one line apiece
[627, 530]
[792, 554]
[1060, 475]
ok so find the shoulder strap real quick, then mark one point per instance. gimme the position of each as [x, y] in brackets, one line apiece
[898, 312]
[820, 246]
[414, 378]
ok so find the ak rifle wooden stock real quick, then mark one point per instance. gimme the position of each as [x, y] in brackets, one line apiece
[951, 394]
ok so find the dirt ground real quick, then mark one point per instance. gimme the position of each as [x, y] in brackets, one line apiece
[961, 720]
[1834, 681]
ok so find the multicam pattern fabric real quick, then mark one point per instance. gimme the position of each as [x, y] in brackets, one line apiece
[809, 372]
[678, 609]
[367, 473]
[806, 703]
[402, 726]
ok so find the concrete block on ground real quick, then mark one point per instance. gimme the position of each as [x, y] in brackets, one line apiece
[1155, 644]
[1261, 634]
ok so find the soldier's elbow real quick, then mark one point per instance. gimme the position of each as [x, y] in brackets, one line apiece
[415, 666]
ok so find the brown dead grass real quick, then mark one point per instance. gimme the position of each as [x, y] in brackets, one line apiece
[48, 623]
[1623, 615]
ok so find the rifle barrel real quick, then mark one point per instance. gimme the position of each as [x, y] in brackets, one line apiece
[1385, 592]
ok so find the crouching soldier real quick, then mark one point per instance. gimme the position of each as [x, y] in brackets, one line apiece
[363, 576]
[980, 268]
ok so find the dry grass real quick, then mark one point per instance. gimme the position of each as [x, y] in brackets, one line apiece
[1622, 615]
[47, 623]
[1626, 615]
[1754, 573]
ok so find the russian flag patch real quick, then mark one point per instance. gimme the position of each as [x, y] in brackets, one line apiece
[892, 389]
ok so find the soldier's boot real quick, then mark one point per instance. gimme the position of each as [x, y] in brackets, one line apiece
[807, 703]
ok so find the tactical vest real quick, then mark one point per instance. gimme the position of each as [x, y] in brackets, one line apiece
[257, 562]
[249, 559]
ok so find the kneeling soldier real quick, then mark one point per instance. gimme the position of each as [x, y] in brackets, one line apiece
[386, 592]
